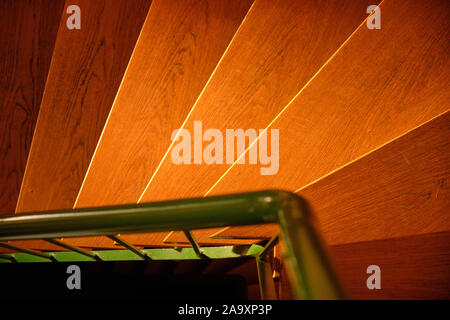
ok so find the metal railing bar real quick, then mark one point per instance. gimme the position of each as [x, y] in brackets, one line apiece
[306, 261]
[29, 251]
[7, 257]
[130, 247]
[220, 252]
[64, 245]
[216, 235]
[266, 283]
[178, 215]
[193, 243]
[265, 271]
[269, 246]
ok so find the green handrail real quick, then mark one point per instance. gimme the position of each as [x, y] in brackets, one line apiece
[309, 270]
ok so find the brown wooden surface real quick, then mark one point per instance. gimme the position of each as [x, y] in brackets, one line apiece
[278, 49]
[398, 190]
[180, 45]
[380, 85]
[264, 231]
[403, 190]
[275, 52]
[40, 245]
[414, 267]
[424, 95]
[28, 33]
[86, 70]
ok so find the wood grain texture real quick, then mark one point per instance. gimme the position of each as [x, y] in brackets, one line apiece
[265, 231]
[414, 267]
[278, 48]
[398, 190]
[40, 245]
[382, 84]
[218, 236]
[27, 38]
[275, 52]
[86, 70]
[402, 190]
[180, 44]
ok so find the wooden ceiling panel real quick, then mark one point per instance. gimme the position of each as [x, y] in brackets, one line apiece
[380, 85]
[28, 33]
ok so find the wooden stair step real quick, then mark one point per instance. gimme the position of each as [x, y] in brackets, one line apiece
[26, 44]
[85, 74]
[180, 44]
[414, 267]
[370, 93]
[278, 48]
[401, 189]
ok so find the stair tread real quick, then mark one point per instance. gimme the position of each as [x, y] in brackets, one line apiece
[180, 44]
[26, 45]
[414, 267]
[398, 190]
[380, 85]
[85, 73]
[280, 45]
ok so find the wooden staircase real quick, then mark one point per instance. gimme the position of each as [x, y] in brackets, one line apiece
[363, 119]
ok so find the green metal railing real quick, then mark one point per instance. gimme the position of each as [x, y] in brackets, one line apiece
[310, 273]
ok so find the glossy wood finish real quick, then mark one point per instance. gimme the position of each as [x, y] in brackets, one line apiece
[180, 45]
[265, 231]
[426, 90]
[398, 190]
[401, 190]
[369, 94]
[86, 70]
[380, 85]
[40, 245]
[275, 52]
[28, 33]
[414, 267]
[85, 74]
